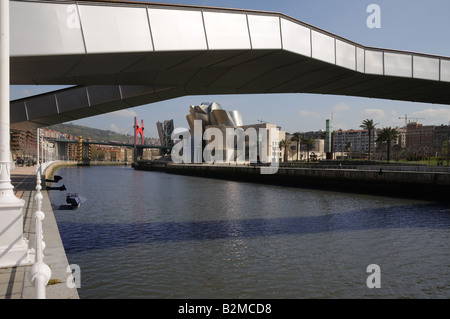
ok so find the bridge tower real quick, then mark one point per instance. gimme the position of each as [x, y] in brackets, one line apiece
[89, 150]
[138, 130]
[80, 150]
[83, 152]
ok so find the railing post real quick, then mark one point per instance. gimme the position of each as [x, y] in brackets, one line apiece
[37, 144]
[39, 274]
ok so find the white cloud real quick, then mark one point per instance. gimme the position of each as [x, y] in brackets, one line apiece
[435, 116]
[113, 127]
[309, 113]
[124, 113]
[340, 107]
[374, 113]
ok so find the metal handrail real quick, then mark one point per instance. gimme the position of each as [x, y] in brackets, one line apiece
[40, 272]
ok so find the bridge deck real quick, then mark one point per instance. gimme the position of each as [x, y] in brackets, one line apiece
[121, 54]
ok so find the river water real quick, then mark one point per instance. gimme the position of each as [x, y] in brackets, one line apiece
[147, 234]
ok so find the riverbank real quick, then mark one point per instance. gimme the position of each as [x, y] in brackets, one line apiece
[382, 180]
[54, 167]
[14, 283]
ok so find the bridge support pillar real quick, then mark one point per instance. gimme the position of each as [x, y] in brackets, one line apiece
[138, 130]
[13, 246]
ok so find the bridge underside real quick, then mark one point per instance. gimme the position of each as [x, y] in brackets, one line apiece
[121, 55]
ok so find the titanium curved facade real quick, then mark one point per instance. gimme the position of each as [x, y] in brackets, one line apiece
[169, 51]
[213, 114]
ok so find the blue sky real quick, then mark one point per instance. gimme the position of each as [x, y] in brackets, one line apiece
[410, 25]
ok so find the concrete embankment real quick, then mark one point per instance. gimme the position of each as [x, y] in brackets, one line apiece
[14, 283]
[50, 171]
[413, 184]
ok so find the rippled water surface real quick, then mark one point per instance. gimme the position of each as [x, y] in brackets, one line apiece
[156, 235]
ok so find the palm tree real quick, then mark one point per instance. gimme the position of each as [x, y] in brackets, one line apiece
[285, 144]
[348, 149]
[370, 127]
[297, 137]
[308, 142]
[388, 134]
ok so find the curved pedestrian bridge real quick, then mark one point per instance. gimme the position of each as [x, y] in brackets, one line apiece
[121, 54]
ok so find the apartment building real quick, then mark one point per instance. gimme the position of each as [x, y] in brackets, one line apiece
[419, 137]
[353, 141]
[23, 144]
[441, 139]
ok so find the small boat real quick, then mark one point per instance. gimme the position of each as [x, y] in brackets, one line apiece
[75, 200]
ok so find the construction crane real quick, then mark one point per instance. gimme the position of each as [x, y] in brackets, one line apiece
[410, 118]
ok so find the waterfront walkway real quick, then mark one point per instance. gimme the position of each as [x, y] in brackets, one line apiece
[14, 283]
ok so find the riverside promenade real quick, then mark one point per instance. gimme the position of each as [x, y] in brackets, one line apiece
[429, 183]
[14, 282]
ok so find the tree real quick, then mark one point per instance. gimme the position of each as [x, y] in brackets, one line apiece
[308, 142]
[388, 134]
[396, 149]
[297, 137]
[370, 127]
[285, 144]
[348, 149]
[445, 150]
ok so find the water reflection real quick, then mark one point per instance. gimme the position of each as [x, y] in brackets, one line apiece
[155, 235]
[79, 237]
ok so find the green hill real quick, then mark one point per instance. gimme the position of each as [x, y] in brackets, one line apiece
[96, 135]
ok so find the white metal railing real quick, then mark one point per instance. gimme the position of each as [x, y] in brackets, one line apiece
[44, 166]
[40, 272]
